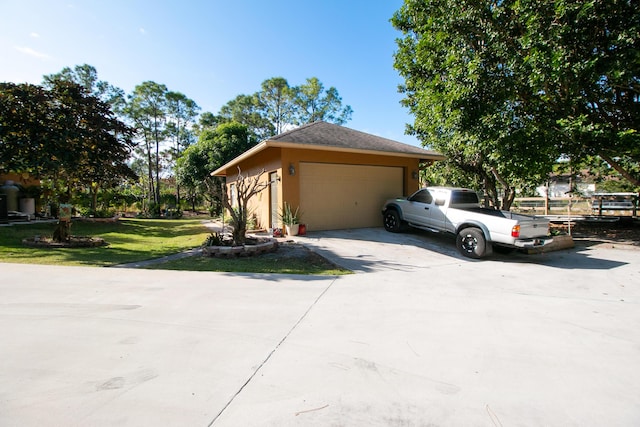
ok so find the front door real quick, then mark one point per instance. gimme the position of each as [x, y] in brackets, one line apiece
[273, 199]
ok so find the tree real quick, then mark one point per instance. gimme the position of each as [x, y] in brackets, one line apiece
[62, 134]
[461, 87]
[25, 131]
[182, 111]
[276, 102]
[87, 76]
[245, 187]
[147, 108]
[587, 57]
[245, 109]
[214, 148]
[499, 86]
[312, 103]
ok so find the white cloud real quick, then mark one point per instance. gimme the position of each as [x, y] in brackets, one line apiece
[34, 35]
[142, 31]
[32, 52]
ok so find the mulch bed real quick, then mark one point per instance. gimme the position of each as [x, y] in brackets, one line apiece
[73, 242]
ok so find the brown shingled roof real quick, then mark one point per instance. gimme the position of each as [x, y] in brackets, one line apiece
[331, 135]
[327, 136]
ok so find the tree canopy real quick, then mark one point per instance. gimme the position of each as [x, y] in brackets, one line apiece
[504, 88]
[61, 133]
[277, 105]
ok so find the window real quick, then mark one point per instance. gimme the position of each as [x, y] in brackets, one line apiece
[460, 197]
[422, 196]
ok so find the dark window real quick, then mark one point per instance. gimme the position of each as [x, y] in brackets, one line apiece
[458, 197]
[422, 196]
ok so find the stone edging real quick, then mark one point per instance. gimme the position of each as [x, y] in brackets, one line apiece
[236, 251]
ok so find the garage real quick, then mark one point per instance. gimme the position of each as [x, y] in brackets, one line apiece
[337, 177]
[339, 196]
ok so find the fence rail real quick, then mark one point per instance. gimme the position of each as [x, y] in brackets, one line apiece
[601, 204]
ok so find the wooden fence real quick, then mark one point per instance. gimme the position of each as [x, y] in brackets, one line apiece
[600, 204]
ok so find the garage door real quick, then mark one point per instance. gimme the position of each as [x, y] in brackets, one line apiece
[336, 196]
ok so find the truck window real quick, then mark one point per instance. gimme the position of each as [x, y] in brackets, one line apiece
[422, 196]
[459, 197]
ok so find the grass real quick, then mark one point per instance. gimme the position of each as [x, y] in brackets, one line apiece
[134, 240]
[130, 240]
[283, 261]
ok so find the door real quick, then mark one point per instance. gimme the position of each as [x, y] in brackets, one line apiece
[418, 209]
[273, 200]
[340, 196]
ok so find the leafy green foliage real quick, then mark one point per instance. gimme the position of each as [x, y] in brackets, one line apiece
[214, 148]
[62, 134]
[278, 105]
[504, 88]
[312, 103]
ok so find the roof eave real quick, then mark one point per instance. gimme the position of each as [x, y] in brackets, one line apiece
[425, 156]
[221, 171]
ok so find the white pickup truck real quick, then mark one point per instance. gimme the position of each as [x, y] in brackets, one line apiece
[457, 211]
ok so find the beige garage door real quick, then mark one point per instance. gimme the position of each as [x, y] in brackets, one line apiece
[335, 196]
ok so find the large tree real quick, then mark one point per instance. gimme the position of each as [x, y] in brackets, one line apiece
[182, 112]
[277, 105]
[62, 134]
[214, 148]
[313, 103]
[87, 76]
[147, 109]
[492, 84]
[276, 102]
[246, 109]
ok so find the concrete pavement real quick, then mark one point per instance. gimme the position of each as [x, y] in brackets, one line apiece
[421, 336]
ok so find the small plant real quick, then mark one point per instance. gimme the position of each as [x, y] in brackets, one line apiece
[289, 217]
[214, 239]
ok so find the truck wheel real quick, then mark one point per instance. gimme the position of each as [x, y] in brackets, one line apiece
[471, 243]
[392, 221]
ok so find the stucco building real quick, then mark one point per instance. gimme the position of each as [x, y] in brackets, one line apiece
[338, 177]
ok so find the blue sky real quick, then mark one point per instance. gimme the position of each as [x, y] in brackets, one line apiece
[214, 50]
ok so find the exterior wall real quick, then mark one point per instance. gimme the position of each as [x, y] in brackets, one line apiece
[291, 184]
[279, 160]
[269, 162]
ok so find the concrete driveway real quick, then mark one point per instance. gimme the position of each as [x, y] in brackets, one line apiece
[420, 336]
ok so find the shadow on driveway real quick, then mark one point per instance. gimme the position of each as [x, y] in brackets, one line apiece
[368, 250]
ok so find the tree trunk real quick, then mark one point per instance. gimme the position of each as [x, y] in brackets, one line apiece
[62, 232]
[618, 167]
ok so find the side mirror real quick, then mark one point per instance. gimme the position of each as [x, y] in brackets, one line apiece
[439, 202]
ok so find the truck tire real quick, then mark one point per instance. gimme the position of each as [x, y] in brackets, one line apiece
[472, 244]
[392, 221]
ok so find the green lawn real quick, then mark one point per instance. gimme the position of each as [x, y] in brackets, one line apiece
[133, 240]
[129, 240]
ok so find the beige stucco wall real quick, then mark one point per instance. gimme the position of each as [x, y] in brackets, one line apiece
[275, 159]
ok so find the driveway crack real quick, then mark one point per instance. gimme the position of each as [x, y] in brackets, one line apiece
[264, 362]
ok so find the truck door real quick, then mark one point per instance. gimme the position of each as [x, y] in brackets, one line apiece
[437, 212]
[418, 210]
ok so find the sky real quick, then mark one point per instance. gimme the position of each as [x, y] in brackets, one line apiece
[213, 51]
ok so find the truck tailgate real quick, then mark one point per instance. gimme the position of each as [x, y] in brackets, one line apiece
[531, 226]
